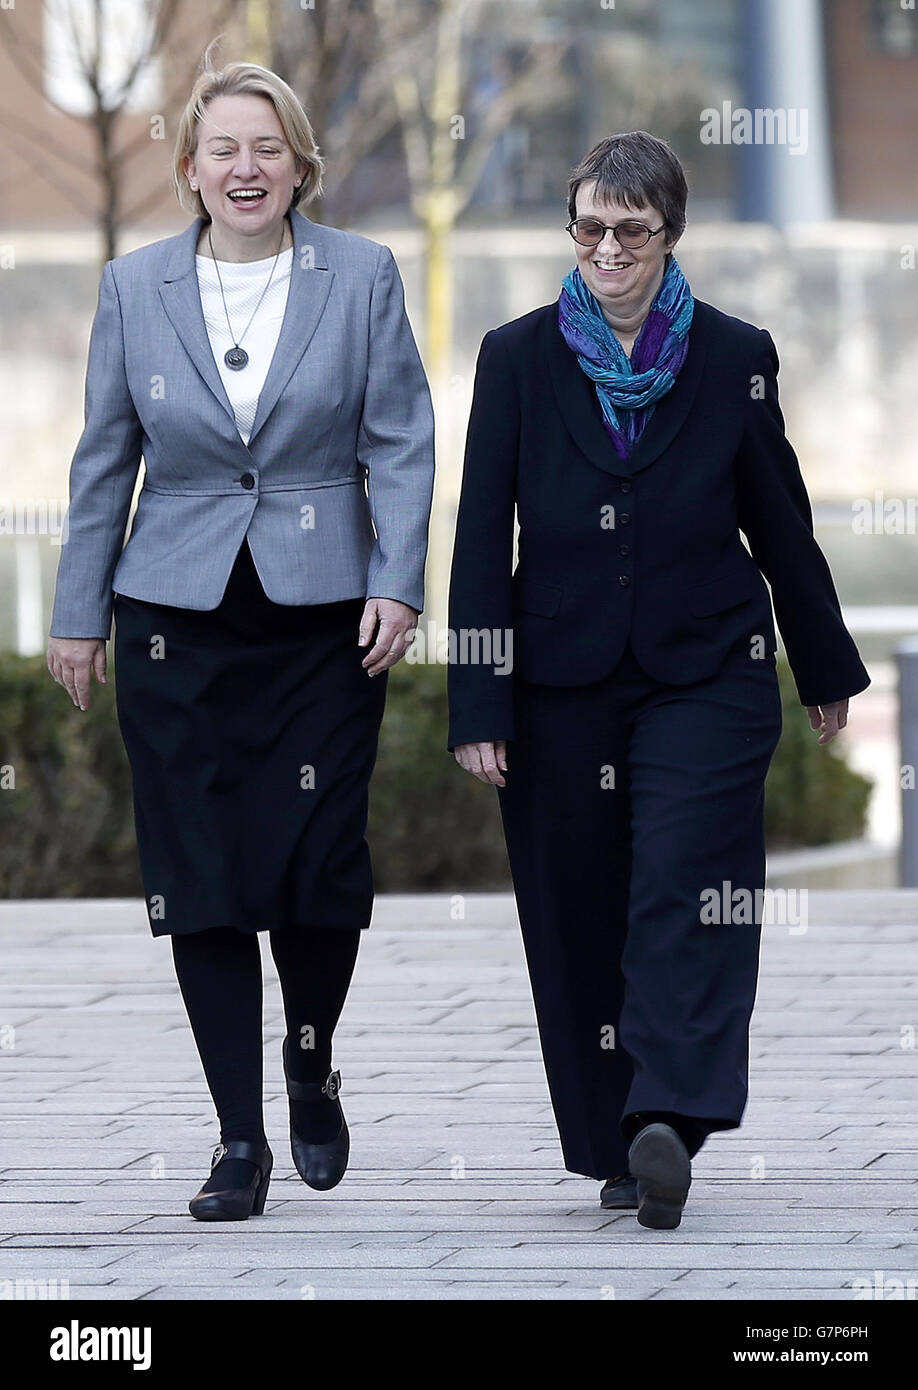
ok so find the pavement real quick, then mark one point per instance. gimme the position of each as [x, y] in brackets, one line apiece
[456, 1188]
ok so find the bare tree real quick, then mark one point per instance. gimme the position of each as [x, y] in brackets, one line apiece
[444, 161]
[89, 30]
[330, 55]
[368, 70]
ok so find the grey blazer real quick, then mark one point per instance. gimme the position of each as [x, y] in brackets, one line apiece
[334, 487]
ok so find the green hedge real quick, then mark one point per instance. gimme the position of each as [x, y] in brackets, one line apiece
[812, 796]
[66, 827]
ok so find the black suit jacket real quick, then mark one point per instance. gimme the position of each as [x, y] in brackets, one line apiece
[650, 548]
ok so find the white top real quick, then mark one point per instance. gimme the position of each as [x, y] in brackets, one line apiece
[243, 283]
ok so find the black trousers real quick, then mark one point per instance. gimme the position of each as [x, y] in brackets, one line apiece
[629, 805]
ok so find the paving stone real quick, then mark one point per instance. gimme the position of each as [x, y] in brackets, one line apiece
[456, 1188]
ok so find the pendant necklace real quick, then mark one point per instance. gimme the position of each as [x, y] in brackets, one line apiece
[236, 357]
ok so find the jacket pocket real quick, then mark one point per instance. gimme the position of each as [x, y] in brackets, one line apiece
[534, 597]
[719, 594]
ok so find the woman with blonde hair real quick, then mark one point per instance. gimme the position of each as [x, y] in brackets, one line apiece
[264, 367]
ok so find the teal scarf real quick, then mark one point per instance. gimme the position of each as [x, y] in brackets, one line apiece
[628, 389]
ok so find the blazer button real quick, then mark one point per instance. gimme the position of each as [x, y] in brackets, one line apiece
[247, 480]
[624, 518]
[624, 487]
[624, 550]
[624, 580]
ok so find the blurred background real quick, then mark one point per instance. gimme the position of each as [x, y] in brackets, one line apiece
[449, 128]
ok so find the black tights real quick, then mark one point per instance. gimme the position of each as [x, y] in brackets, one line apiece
[219, 974]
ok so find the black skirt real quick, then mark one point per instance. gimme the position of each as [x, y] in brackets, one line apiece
[251, 730]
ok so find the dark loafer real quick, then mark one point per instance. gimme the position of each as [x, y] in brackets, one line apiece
[321, 1166]
[617, 1193]
[660, 1163]
[236, 1203]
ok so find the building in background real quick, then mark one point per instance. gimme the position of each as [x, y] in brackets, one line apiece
[852, 63]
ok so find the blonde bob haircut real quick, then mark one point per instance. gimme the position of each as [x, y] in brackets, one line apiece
[233, 80]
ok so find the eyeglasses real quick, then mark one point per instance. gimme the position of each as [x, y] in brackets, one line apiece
[589, 231]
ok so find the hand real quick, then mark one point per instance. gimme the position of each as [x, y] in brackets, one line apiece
[397, 624]
[830, 718]
[486, 761]
[70, 660]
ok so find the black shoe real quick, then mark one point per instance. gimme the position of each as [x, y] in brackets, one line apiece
[236, 1203]
[321, 1166]
[619, 1192]
[660, 1163]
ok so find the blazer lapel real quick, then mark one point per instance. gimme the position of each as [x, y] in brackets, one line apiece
[310, 286]
[578, 403]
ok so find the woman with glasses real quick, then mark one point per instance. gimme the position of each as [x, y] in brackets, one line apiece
[635, 432]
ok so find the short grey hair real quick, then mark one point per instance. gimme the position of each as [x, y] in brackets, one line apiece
[635, 168]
